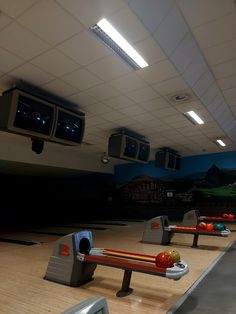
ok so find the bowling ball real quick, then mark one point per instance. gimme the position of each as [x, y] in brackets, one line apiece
[175, 255]
[210, 227]
[225, 216]
[219, 227]
[201, 226]
[231, 216]
[164, 260]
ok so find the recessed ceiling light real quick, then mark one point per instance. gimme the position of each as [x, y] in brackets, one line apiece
[194, 117]
[115, 41]
[220, 142]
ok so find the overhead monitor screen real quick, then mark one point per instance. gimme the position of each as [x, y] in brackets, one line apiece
[131, 147]
[144, 150]
[33, 115]
[69, 127]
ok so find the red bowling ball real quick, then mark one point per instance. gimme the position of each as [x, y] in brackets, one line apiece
[231, 216]
[164, 260]
[225, 216]
[201, 226]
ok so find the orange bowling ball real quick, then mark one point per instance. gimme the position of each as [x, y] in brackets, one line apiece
[164, 260]
[210, 227]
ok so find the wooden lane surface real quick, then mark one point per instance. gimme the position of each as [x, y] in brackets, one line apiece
[23, 290]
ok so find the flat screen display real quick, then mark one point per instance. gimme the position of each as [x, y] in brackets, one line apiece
[69, 127]
[144, 150]
[131, 147]
[33, 115]
[171, 161]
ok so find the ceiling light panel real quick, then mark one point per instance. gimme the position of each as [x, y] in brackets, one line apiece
[220, 142]
[115, 41]
[195, 117]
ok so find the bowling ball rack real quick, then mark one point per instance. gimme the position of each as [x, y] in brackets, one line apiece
[159, 231]
[74, 260]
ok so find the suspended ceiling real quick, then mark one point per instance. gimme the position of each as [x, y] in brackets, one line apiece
[190, 46]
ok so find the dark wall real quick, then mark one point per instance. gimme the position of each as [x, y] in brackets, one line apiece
[32, 200]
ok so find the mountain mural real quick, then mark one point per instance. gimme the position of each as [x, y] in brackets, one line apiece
[216, 177]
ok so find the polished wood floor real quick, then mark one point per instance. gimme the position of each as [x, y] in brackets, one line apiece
[22, 268]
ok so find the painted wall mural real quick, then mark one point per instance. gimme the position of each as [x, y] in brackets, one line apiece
[213, 186]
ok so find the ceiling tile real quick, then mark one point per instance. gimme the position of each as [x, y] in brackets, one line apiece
[205, 81]
[150, 50]
[227, 82]
[230, 93]
[113, 116]
[203, 11]
[82, 99]
[221, 53]
[9, 61]
[125, 122]
[60, 88]
[211, 93]
[109, 67]
[55, 62]
[98, 108]
[225, 69]
[108, 126]
[4, 20]
[143, 117]
[81, 79]
[170, 86]
[171, 30]
[93, 11]
[94, 121]
[16, 38]
[143, 94]
[129, 25]
[57, 25]
[102, 92]
[152, 14]
[157, 124]
[137, 127]
[164, 112]
[158, 72]
[195, 70]
[30, 73]
[132, 110]
[128, 83]
[155, 104]
[119, 102]
[14, 8]
[84, 48]
[217, 31]
[185, 52]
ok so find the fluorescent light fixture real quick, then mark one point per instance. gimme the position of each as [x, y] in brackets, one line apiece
[195, 117]
[220, 142]
[114, 40]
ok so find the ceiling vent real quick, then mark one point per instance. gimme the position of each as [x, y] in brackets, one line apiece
[180, 97]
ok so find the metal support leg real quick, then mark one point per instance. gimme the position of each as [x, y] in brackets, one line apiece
[125, 289]
[195, 240]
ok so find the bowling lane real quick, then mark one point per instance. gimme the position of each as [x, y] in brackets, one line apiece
[23, 289]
